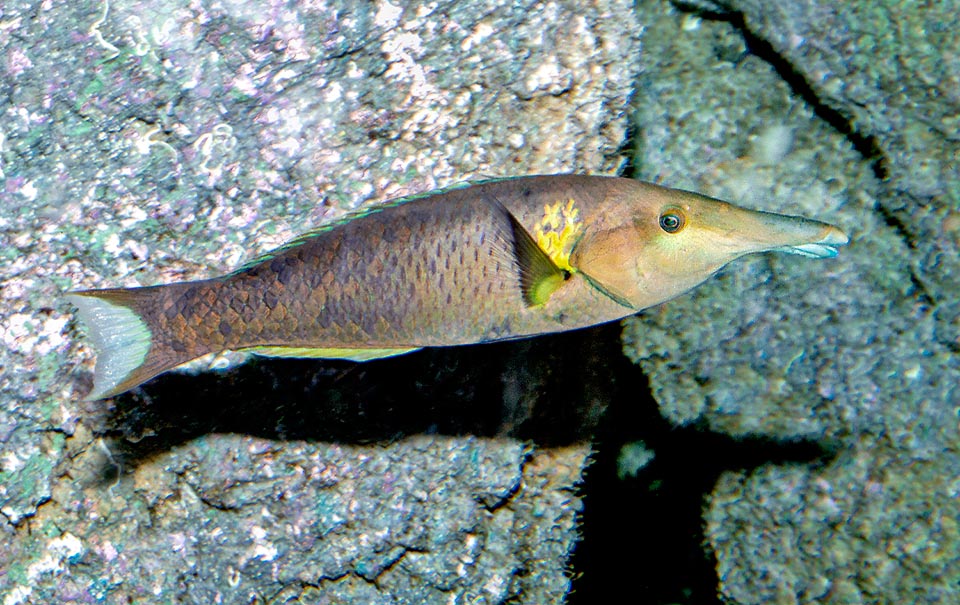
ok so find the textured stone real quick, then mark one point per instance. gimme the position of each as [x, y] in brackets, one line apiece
[857, 353]
[144, 142]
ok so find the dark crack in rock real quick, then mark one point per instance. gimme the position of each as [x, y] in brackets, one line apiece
[858, 353]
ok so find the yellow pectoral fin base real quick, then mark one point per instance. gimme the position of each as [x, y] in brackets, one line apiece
[319, 353]
[539, 275]
[558, 231]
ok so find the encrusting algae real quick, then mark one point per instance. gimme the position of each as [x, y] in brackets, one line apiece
[491, 261]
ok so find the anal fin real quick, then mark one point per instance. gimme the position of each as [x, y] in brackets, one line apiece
[329, 353]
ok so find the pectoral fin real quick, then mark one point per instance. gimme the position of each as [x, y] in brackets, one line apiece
[539, 275]
[351, 354]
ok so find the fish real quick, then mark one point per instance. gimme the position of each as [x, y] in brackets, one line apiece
[489, 261]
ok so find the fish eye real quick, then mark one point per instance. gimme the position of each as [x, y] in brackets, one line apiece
[672, 220]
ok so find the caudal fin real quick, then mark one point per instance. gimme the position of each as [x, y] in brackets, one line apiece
[127, 352]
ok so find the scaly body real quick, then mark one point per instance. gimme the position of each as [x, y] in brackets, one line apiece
[497, 260]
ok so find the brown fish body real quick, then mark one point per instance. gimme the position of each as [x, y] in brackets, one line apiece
[497, 260]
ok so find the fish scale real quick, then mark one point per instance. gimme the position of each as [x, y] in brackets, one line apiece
[501, 259]
[361, 285]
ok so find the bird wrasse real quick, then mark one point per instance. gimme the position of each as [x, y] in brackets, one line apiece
[495, 260]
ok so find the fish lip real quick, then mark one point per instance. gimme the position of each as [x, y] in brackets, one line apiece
[811, 250]
[825, 247]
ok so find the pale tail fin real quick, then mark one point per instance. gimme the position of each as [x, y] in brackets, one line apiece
[127, 353]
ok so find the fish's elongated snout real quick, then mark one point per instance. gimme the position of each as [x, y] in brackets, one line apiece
[826, 247]
[758, 231]
[803, 236]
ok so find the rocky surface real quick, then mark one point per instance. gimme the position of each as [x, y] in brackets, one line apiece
[841, 111]
[148, 142]
[144, 142]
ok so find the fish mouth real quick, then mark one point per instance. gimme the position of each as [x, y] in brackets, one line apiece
[826, 247]
[752, 231]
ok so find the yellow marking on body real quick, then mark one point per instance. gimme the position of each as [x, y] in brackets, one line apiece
[558, 230]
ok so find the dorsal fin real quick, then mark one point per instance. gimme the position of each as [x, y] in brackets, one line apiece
[539, 275]
[353, 215]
